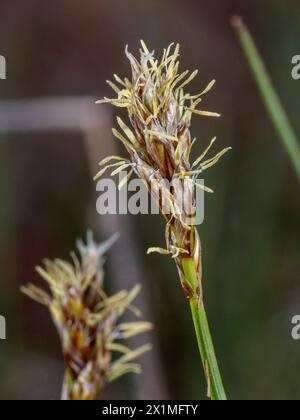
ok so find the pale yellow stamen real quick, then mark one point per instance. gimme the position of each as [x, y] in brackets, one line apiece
[103, 170]
[119, 80]
[200, 158]
[126, 143]
[113, 86]
[125, 179]
[127, 131]
[157, 250]
[122, 168]
[162, 135]
[192, 77]
[204, 113]
[204, 188]
[208, 88]
[110, 158]
[211, 162]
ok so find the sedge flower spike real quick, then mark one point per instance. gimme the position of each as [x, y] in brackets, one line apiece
[159, 144]
[88, 321]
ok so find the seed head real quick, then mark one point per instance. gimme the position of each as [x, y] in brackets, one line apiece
[159, 142]
[88, 321]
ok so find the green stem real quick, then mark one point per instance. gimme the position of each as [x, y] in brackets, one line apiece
[270, 97]
[205, 343]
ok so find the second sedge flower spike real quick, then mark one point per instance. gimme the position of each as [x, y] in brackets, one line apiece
[88, 320]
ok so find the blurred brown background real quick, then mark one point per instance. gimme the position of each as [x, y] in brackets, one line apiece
[251, 232]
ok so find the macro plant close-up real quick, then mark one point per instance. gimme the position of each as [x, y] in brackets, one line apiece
[170, 130]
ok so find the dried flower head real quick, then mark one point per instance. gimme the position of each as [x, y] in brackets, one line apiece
[159, 144]
[88, 321]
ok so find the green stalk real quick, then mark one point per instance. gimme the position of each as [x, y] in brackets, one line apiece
[271, 99]
[215, 385]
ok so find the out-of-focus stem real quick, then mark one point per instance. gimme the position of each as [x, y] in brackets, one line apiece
[271, 99]
[214, 381]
